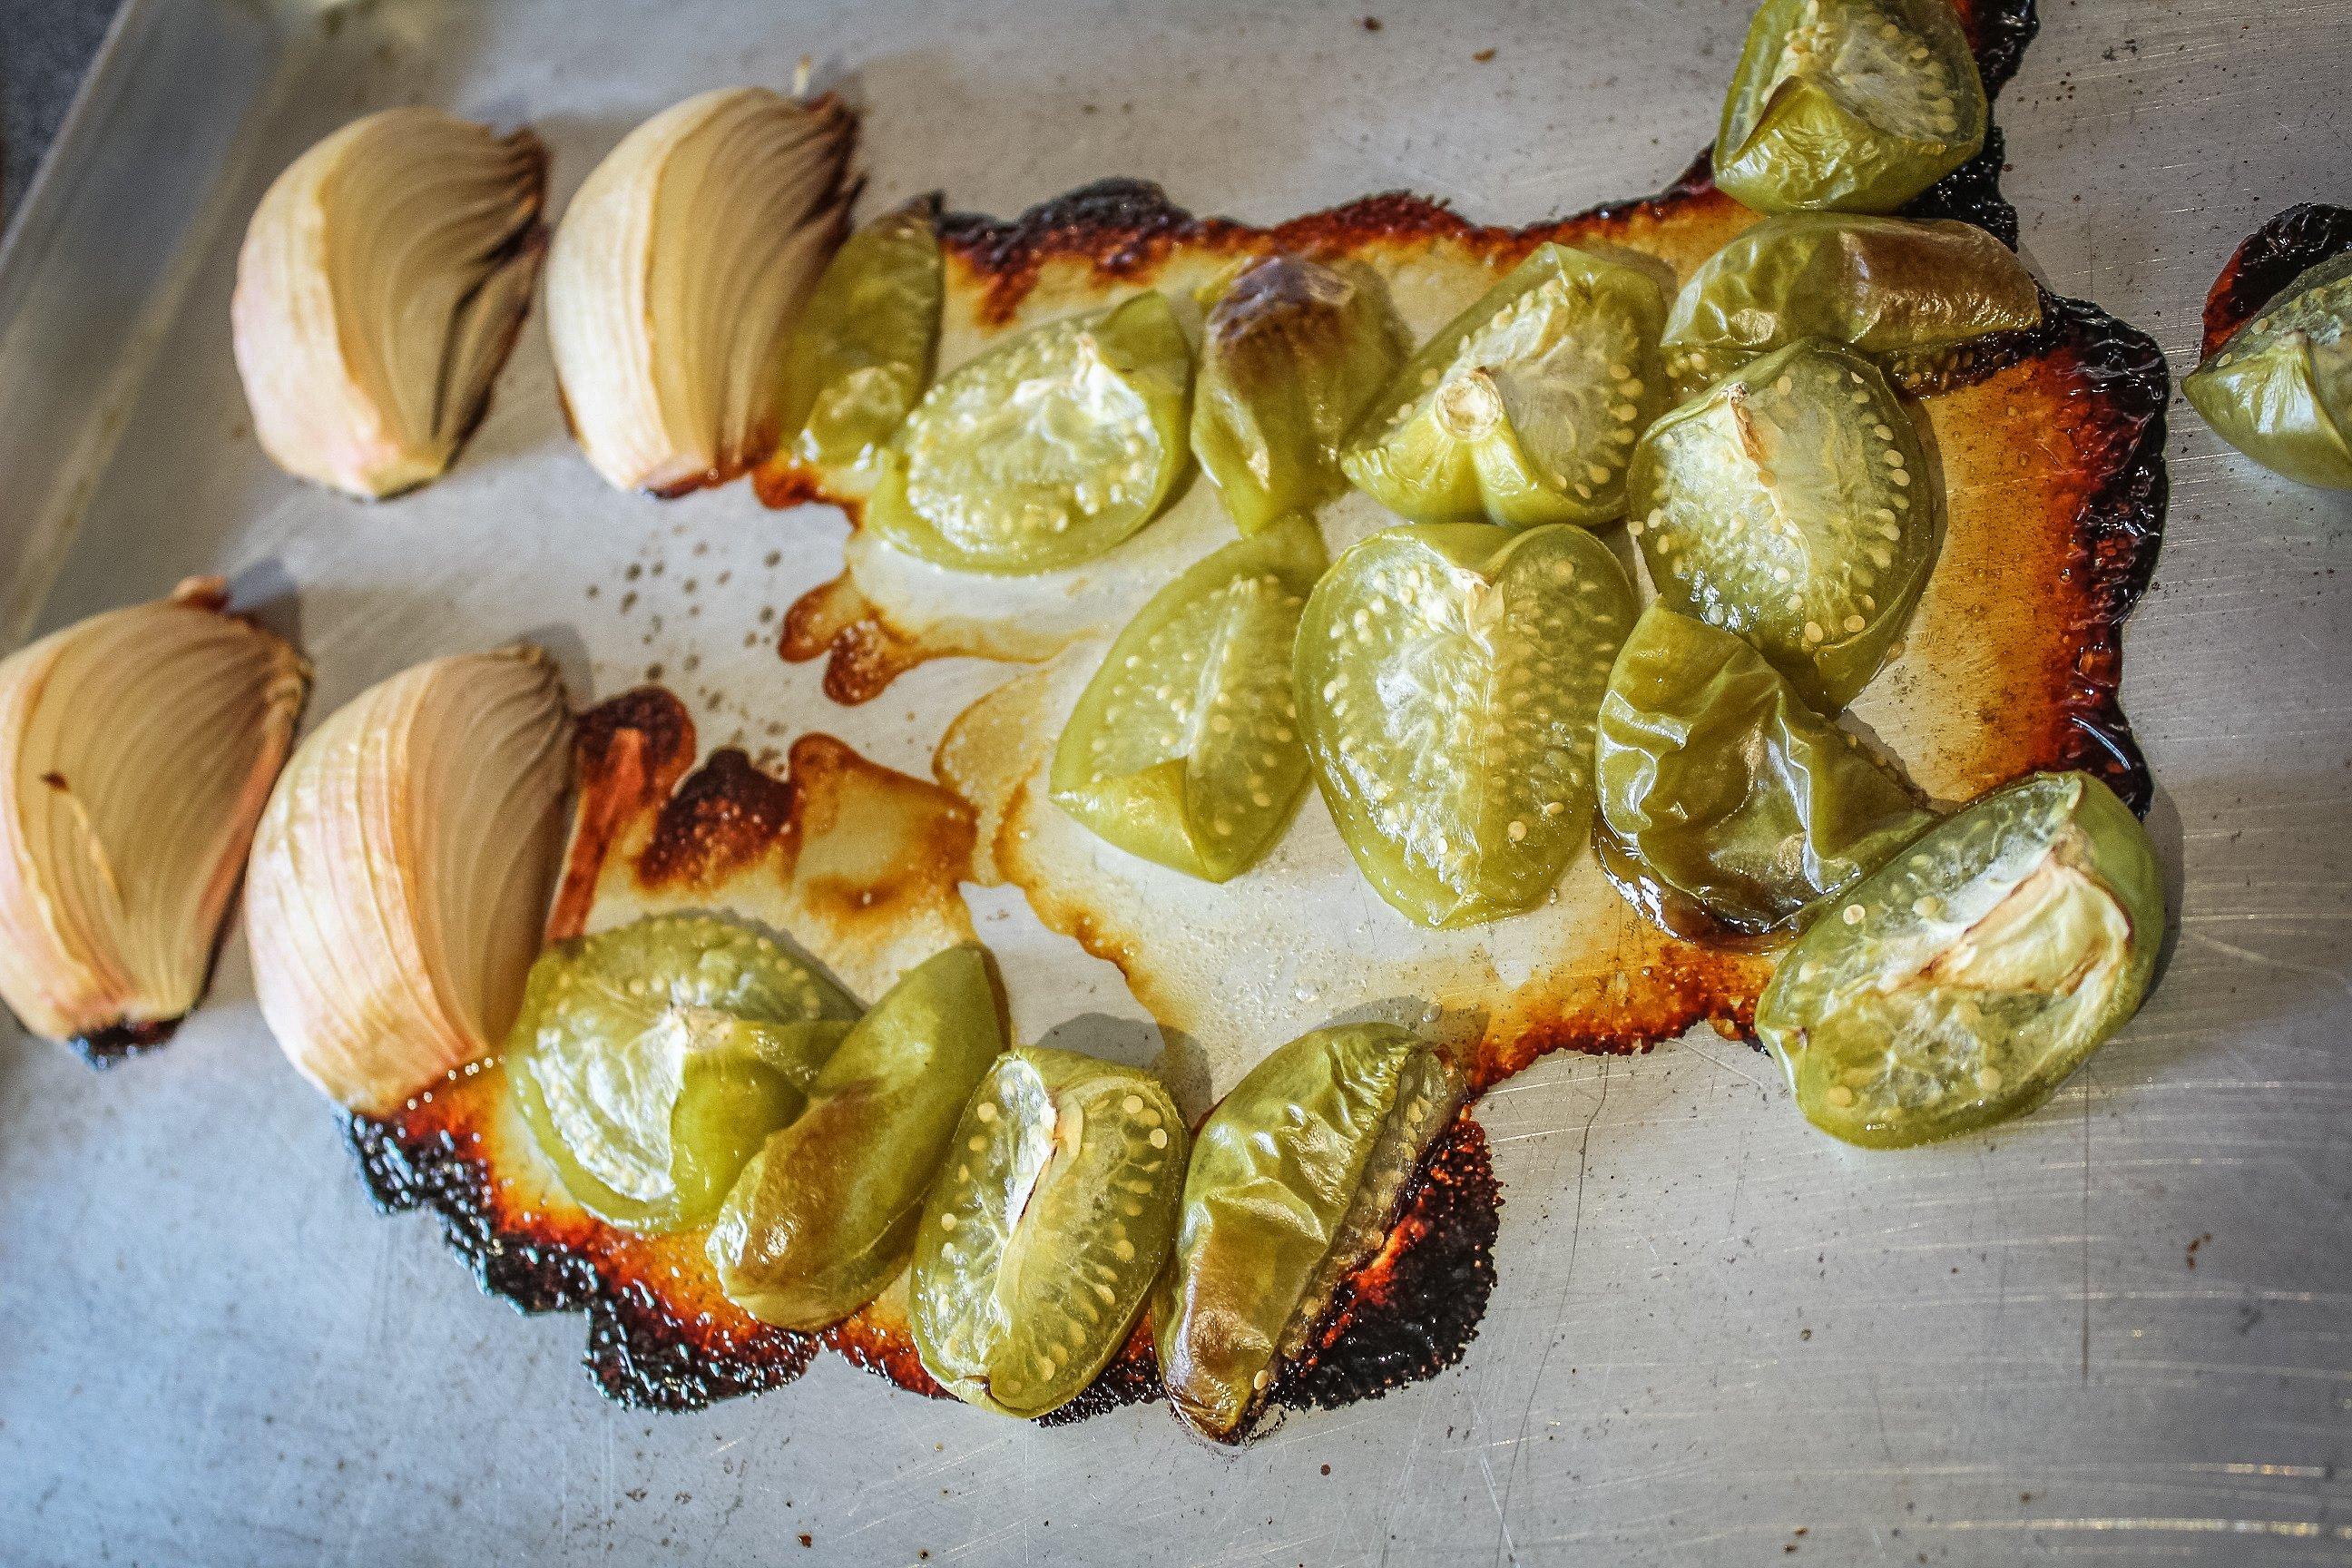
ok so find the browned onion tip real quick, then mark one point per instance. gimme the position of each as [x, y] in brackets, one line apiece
[402, 872]
[136, 749]
[382, 283]
[678, 272]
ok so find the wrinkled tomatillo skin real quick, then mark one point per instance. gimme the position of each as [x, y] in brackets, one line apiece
[1524, 408]
[1184, 748]
[1728, 789]
[1904, 293]
[1961, 982]
[1294, 1179]
[1850, 105]
[1048, 450]
[827, 1212]
[1449, 676]
[1291, 355]
[1791, 503]
[861, 354]
[2280, 389]
[1043, 1233]
[651, 1061]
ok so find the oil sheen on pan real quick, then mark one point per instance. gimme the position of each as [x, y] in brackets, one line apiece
[859, 865]
[2050, 444]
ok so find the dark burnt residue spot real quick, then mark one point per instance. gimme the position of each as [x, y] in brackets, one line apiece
[725, 816]
[888, 1352]
[55, 781]
[2269, 259]
[1132, 1379]
[1971, 194]
[629, 753]
[101, 1049]
[1999, 32]
[1412, 1309]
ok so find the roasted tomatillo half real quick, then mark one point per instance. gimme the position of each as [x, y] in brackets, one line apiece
[2279, 390]
[1524, 409]
[1449, 676]
[1291, 355]
[1295, 1178]
[1853, 105]
[862, 352]
[651, 1061]
[1960, 984]
[1909, 294]
[1721, 785]
[1046, 450]
[825, 1214]
[1791, 503]
[1042, 1237]
[1184, 748]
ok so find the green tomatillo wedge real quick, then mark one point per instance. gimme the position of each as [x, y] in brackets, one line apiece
[861, 354]
[1725, 788]
[1853, 105]
[1962, 982]
[1524, 409]
[1184, 747]
[2280, 389]
[1909, 294]
[651, 1061]
[1295, 1178]
[825, 1214]
[1449, 677]
[1043, 1233]
[1046, 450]
[1292, 353]
[1790, 502]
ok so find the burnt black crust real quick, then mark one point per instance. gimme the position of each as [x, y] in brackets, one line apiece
[2269, 259]
[120, 1042]
[1417, 1321]
[638, 1353]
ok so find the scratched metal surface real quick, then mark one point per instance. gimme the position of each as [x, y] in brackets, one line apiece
[2118, 1332]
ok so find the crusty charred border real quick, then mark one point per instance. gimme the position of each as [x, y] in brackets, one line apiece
[2267, 260]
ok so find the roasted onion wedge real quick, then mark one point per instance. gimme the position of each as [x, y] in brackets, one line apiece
[677, 273]
[1295, 1178]
[1525, 408]
[1853, 105]
[1450, 676]
[1040, 1242]
[402, 872]
[1962, 983]
[1719, 782]
[1791, 503]
[1184, 747]
[1909, 294]
[136, 750]
[380, 287]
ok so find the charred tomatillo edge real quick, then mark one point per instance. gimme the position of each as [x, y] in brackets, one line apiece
[825, 1215]
[861, 354]
[1852, 105]
[1449, 677]
[1047, 450]
[1905, 291]
[1791, 503]
[1292, 353]
[1961, 982]
[650, 1061]
[1728, 789]
[1523, 409]
[1046, 1229]
[1183, 749]
[1295, 1178]
[2280, 389]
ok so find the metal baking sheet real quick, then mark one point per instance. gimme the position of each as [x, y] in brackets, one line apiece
[2120, 1330]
